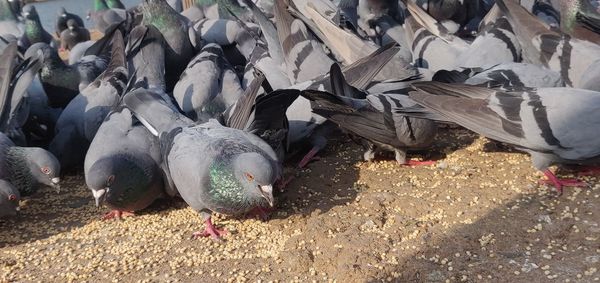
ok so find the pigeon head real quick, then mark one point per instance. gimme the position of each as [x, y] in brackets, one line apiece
[62, 12]
[119, 180]
[9, 199]
[72, 24]
[256, 174]
[44, 167]
[30, 13]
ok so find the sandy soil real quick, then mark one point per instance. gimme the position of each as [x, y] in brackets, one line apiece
[479, 215]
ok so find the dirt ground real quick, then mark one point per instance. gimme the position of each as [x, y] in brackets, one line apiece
[479, 215]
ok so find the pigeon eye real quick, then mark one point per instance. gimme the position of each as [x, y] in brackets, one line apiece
[249, 177]
[12, 197]
[46, 170]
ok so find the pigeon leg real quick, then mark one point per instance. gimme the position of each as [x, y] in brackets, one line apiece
[310, 156]
[560, 183]
[117, 214]
[209, 230]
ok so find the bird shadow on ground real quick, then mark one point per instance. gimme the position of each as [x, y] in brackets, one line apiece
[526, 237]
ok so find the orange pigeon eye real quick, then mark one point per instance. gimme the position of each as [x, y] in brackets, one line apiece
[46, 170]
[12, 197]
[249, 177]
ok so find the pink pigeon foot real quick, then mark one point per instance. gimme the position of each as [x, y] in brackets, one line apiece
[560, 183]
[209, 230]
[310, 156]
[411, 162]
[117, 214]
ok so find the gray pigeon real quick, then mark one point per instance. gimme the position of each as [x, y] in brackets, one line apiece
[9, 22]
[555, 50]
[208, 86]
[63, 82]
[538, 121]
[373, 119]
[15, 78]
[122, 165]
[73, 35]
[104, 17]
[34, 31]
[175, 29]
[63, 17]
[233, 171]
[81, 118]
[146, 58]
[27, 167]
[9, 199]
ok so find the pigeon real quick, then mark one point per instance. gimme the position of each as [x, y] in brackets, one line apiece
[63, 82]
[553, 49]
[373, 119]
[9, 199]
[9, 23]
[26, 168]
[104, 17]
[73, 35]
[208, 86]
[15, 78]
[34, 31]
[233, 171]
[175, 29]
[114, 4]
[516, 75]
[307, 126]
[16, 6]
[63, 18]
[81, 118]
[122, 165]
[537, 121]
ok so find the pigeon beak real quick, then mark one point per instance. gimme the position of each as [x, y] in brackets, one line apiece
[267, 193]
[55, 183]
[26, 14]
[99, 196]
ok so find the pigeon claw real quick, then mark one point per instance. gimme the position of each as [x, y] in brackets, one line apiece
[560, 183]
[310, 156]
[117, 214]
[210, 231]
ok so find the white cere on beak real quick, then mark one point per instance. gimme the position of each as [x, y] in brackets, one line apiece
[267, 193]
[98, 194]
[55, 180]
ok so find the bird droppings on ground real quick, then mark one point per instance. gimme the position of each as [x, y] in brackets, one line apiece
[478, 215]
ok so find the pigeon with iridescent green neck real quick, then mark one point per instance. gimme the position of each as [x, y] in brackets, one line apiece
[73, 35]
[9, 22]
[34, 31]
[114, 4]
[9, 199]
[174, 28]
[214, 168]
[27, 168]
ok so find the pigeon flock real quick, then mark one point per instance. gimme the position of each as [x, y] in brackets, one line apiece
[205, 100]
